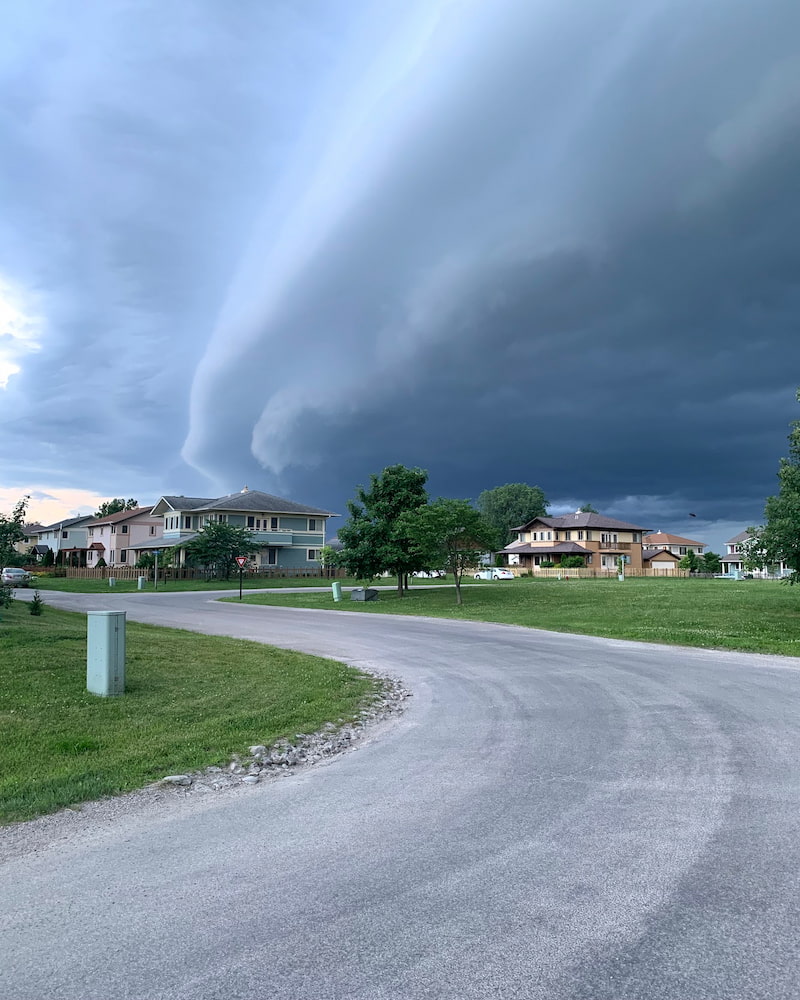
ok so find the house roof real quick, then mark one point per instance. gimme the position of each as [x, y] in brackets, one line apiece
[743, 536]
[180, 503]
[581, 519]
[565, 548]
[246, 500]
[663, 538]
[33, 529]
[649, 554]
[123, 515]
[70, 522]
[255, 500]
[98, 546]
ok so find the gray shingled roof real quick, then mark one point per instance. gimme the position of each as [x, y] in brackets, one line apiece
[186, 503]
[743, 536]
[566, 548]
[68, 523]
[582, 519]
[255, 500]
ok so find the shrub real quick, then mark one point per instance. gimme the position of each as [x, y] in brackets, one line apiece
[101, 563]
[547, 564]
[36, 604]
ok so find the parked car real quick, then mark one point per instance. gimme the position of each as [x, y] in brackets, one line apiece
[431, 574]
[15, 577]
[496, 573]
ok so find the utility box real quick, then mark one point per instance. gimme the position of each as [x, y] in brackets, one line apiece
[105, 653]
[336, 589]
[360, 594]
[142, 581]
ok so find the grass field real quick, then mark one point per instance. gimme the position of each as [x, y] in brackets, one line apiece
[750, 615]
[190, 701]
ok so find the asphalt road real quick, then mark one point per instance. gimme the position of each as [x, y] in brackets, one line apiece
[553, 817]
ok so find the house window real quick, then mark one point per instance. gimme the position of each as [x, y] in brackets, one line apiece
[152, 529]
[549, 536]
[113, 529]
[682, 550]
[91, 533]
[273, 524]
[251, 522]
[187, 522]
[588, 536]
[65, 534]
[272, 557]
[568, 536]
[123, 556]
[580, 536]
[312, 555]
[124, 529]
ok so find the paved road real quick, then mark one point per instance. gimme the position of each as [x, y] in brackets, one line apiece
[554, 817]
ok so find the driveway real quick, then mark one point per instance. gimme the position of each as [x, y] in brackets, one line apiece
[553, 817]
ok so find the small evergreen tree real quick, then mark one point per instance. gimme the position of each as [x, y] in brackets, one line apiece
[36, 604]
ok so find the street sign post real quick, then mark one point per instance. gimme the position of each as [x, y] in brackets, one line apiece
[241, 562]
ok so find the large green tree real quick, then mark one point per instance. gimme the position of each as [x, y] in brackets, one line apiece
[115, 506]
[448, 533]
[12, 530]
[217, 545]
[375, 539]
[778, 540]
[710, 562]
[507, 507]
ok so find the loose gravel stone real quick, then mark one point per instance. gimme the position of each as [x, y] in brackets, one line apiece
[307, 749]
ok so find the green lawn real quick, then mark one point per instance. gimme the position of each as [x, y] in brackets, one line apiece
[751, 615]
[190, 701]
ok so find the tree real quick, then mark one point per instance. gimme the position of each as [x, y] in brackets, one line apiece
[12, 530]
[778, 540]
[710, 562]
[115, 506]
[690, 561]
[217, 545]
[572, 562]
[328, 559]
[587, 508]
[506, 507]
[374, 540]
[449, 533]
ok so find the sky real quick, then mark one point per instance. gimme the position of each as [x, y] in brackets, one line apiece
[288, 244]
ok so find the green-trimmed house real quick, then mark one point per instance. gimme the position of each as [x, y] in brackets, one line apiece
[288, 535]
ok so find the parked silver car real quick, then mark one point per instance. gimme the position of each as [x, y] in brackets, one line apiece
[15, 577]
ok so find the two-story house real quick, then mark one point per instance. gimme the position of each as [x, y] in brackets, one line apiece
[601, 541]
[286, 534]
[67, 539]
[678, 546]
[118, 538]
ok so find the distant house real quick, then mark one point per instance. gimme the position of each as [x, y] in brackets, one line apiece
[660, 561]
[67, 539]
[675, 544]
[29, 543]
[733, 562]
[602, 541]
[286, 534]
[118, 538]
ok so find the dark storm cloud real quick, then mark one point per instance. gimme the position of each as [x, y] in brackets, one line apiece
[505, 241]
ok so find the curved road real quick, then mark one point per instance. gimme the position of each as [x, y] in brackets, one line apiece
[553, 817]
